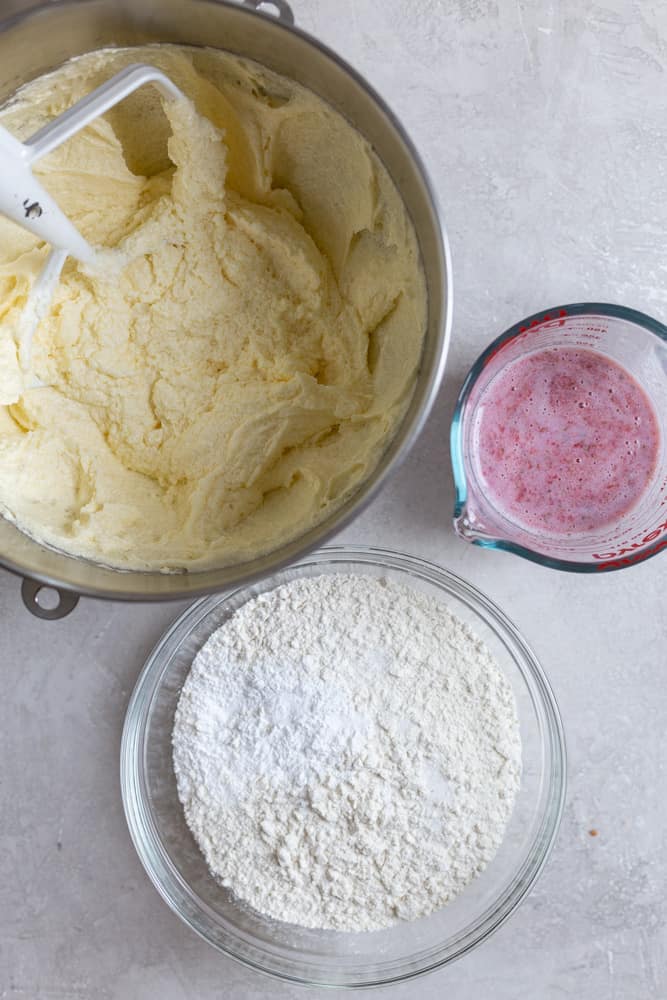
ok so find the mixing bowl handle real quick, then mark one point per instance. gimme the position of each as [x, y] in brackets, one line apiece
[30, 592]
[279, 9]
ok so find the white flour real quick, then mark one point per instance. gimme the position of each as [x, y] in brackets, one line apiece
[347, 753]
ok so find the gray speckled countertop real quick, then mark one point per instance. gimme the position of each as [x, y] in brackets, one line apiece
[544, 125]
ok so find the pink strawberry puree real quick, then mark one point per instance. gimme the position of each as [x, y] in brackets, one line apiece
[567, 441]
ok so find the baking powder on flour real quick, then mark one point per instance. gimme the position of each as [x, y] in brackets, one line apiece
[347, 753]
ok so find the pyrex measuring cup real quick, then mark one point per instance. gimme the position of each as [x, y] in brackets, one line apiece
[631, 339]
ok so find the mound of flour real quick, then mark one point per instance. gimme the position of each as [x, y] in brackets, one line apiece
[347, 753]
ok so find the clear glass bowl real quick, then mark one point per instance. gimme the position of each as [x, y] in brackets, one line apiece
[333, 958]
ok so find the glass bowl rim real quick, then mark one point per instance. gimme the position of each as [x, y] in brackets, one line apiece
[145, 837]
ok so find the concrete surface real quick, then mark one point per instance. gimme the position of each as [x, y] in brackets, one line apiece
[544, 125]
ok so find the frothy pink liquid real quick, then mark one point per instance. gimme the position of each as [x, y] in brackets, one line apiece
[567, 441]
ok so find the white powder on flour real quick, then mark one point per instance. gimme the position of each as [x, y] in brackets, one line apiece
[347, 753]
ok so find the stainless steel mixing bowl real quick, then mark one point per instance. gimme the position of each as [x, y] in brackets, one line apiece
[36, 39]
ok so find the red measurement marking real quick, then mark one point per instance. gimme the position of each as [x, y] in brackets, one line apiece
[546, 321]
[612, 560]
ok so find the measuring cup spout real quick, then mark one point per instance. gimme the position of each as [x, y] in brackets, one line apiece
[469, 525]
[462, 526]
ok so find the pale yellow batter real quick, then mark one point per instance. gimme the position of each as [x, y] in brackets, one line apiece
[236, 363]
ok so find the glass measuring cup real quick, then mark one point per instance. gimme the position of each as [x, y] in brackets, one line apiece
[639, 345]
